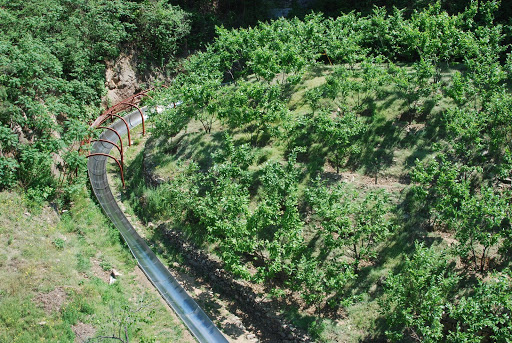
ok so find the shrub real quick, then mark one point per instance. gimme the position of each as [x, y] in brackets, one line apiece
[417, 298]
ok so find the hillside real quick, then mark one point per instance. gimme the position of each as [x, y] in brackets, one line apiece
[355, 171]
[330, 177]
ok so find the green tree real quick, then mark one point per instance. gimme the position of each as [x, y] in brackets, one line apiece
[276, 220]
[417, 298]
[484, 314]
[478, 217]
[349, 221]
[255, 103]
[162, 27]
[413, 85]
[338, 133]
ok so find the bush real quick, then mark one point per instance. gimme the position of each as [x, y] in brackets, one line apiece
[8, 168]
[485, 315]
[417, 298]
[162, 27]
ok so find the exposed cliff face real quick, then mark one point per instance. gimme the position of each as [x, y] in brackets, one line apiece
[123, 78]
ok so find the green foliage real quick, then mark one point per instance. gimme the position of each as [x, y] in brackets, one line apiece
[348, 222]
[248, 102]
[416, 299]
[484, 219]
[442, 186]
[446, 73]
[19, 316]
[485, 314]
[162, 28]
[317, 280]
[224, 208]
[83, 263]
[169, 122]
[413, 86]
[436, 36]
[338, 133]
[480, 218]
[59, 243]
[8, 168]
[276, 220]
[52, 64]
[487, 74]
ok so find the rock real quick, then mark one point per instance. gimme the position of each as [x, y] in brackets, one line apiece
[121, 77]
[115, 273]
[111, 85]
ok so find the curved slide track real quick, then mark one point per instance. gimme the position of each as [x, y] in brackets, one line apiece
[187, 309]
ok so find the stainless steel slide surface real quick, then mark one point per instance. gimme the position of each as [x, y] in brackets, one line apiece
[192, 315]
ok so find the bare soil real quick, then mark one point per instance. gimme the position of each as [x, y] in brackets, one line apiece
[83, 332]
[52, 301]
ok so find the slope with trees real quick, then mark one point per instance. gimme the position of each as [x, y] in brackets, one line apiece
[267, 202]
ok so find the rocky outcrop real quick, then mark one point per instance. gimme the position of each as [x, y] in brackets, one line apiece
[123, 77]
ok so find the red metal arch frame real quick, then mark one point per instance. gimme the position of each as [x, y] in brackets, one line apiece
[130, 102]
[114, 144]
[125, 123]
[141, 115]
[121, 106]
[136, 98]
[117, 133]
[115, 159]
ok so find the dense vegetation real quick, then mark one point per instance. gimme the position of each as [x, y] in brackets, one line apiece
[53, 56]
[52, 79]
[266, 203]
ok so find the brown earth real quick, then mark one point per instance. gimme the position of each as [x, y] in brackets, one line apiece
[51, 301]
[123, 79]
[83, 332]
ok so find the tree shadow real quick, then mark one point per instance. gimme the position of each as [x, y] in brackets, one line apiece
[199, 147]
[377, 146]
[315, 155]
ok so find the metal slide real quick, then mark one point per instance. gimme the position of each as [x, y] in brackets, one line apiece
[192, 315]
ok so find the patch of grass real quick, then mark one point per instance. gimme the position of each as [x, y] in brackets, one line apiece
[48, 283]
[105, 265]
[59, 243]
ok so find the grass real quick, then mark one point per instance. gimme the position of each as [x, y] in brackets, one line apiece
[54, 270]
